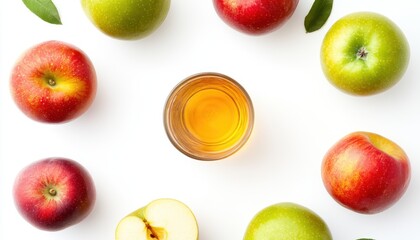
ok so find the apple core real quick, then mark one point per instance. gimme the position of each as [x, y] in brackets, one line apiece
[154, 233]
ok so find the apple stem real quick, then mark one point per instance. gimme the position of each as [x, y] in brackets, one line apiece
[362, 53]
[52, 192]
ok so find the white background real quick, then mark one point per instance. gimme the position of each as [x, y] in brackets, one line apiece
[121, 139]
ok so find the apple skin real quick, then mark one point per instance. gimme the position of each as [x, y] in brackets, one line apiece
[287, 221]
[53, 82]
[364, 53]
[163, 219]
[255, 17]
[126, 19]
[54, 193]
[366, 172]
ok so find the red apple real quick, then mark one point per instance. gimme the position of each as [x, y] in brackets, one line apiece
[255, 17]
[54, 193]
[366, 172]
[53, 82]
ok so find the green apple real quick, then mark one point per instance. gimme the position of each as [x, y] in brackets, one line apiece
[364, 53]
[126, 19]
[162, 219]
[287, 221]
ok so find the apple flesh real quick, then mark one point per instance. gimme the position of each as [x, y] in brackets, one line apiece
[53, 82]
[54, 193]
[126, 19]
[366, 172]
[255, 17]
[364, 53]
[162, 219]
[287, 221]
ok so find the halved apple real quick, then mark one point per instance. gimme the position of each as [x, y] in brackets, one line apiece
[161, 219]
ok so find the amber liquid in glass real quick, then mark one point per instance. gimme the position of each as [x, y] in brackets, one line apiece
[208, 116]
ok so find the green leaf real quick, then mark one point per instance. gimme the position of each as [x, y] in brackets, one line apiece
[318, 15]
[365, 239]
[44, 9]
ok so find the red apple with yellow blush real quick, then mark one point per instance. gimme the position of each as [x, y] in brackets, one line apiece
[53, 82]
[366, 172]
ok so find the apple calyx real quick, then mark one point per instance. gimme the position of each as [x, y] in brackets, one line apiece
[362, 53]
[51, 81]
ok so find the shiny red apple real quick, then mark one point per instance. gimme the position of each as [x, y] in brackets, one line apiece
[54, 193]
[255, 17]
[366, 172]
[53, 82]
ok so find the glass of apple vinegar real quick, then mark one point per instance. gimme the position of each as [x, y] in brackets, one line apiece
[208, 116]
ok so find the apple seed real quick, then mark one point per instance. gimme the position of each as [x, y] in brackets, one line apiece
[152, 233]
